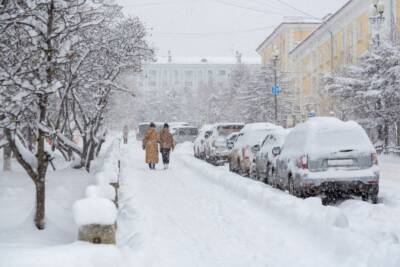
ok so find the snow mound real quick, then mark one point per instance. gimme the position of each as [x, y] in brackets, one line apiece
[94, 211]
[100, 191]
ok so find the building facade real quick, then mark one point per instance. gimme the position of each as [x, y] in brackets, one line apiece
[187, 73]
[274, 52]
[341, 39]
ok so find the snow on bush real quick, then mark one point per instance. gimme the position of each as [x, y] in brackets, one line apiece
[100, 191]
[102, 178]
[94, 211]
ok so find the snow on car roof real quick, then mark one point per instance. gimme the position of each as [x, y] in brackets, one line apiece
[259, 126]
[321, 135]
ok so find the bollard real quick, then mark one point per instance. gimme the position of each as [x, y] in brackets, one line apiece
[97, 234]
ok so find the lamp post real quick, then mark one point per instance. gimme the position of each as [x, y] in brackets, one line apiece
[377, 19]
[275, 59]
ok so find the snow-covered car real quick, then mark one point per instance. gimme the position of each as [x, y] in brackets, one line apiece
[216, 147]
[266, 153]
[243, 152]
[231, 139]
[199, 142]
[183, 134]
[328, 157]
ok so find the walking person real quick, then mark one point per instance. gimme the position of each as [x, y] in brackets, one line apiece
[125, 133]
[167, 144]
[150, 144]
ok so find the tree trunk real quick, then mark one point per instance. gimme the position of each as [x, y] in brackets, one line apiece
[398, 133]
[40, 203]
[7, 158]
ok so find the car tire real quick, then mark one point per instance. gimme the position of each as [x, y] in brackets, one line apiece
[374, 199]
[273, 180]
[268, 175]
[253, 173]
[291, 188]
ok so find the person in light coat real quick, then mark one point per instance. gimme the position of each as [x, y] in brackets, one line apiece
[150, 145]
[167, 144]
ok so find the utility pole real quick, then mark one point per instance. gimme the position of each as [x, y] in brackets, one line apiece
[275, 91]
[377, 19]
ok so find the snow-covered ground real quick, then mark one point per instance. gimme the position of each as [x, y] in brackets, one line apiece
[22, 245]
[195, 214]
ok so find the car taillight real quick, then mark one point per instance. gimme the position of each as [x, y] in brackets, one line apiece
[302, 162]
[374, 158]
[245, 152]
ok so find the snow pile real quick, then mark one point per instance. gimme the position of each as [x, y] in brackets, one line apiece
[97, 207]
[329, 225]
[94, 211]
[101, 191]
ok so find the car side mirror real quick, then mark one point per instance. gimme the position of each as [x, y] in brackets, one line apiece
[256, 148]
[276, 151]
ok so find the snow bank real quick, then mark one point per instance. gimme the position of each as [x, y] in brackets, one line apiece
[329, 225]
[94, 211]
[100, 191]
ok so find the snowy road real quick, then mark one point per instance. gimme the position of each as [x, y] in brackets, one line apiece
[198, 215]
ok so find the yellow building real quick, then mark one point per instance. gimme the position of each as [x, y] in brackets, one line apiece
[282, 40]
[341, 39]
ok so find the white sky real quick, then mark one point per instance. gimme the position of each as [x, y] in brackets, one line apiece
[217, 27]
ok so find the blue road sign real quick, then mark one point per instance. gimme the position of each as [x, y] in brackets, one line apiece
[276, 90]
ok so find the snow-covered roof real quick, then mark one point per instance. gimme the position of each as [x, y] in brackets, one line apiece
[207, 60]
[282, 25]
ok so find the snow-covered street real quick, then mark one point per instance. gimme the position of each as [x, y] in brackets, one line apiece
[195, 214]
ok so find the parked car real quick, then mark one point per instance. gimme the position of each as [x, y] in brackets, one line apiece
[216, 147]
[266, 153]
[326, 156]
[200, 141]
[243, 152]
[183, 134]
[231, 140]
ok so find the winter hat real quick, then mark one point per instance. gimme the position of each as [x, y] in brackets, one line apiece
[152, 125]
[166, 125]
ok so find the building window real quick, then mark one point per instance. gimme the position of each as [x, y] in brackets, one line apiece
[152, 78]
[176, 77]
[188, 78]
[222, 72]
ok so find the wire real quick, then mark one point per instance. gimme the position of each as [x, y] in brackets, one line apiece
[152, 3]
[215, 33]
[296, 9]
[223, 2]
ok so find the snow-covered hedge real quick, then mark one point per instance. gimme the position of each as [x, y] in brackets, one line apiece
[94, 211]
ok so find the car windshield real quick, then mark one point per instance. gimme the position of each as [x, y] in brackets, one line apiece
[228, 129]
[186, 131]
[337, 139]
[253, 138]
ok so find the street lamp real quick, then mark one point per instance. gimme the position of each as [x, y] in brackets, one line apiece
[376, 19]
[275, 58]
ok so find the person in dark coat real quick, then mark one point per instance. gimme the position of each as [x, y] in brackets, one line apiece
[167, 144]
[150, 144]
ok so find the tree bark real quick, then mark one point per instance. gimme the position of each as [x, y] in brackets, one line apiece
[40, 203]
[7, 158]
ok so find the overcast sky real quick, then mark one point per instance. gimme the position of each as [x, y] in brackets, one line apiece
[218, 27]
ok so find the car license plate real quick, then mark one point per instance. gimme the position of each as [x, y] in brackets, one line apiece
[340, 162]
